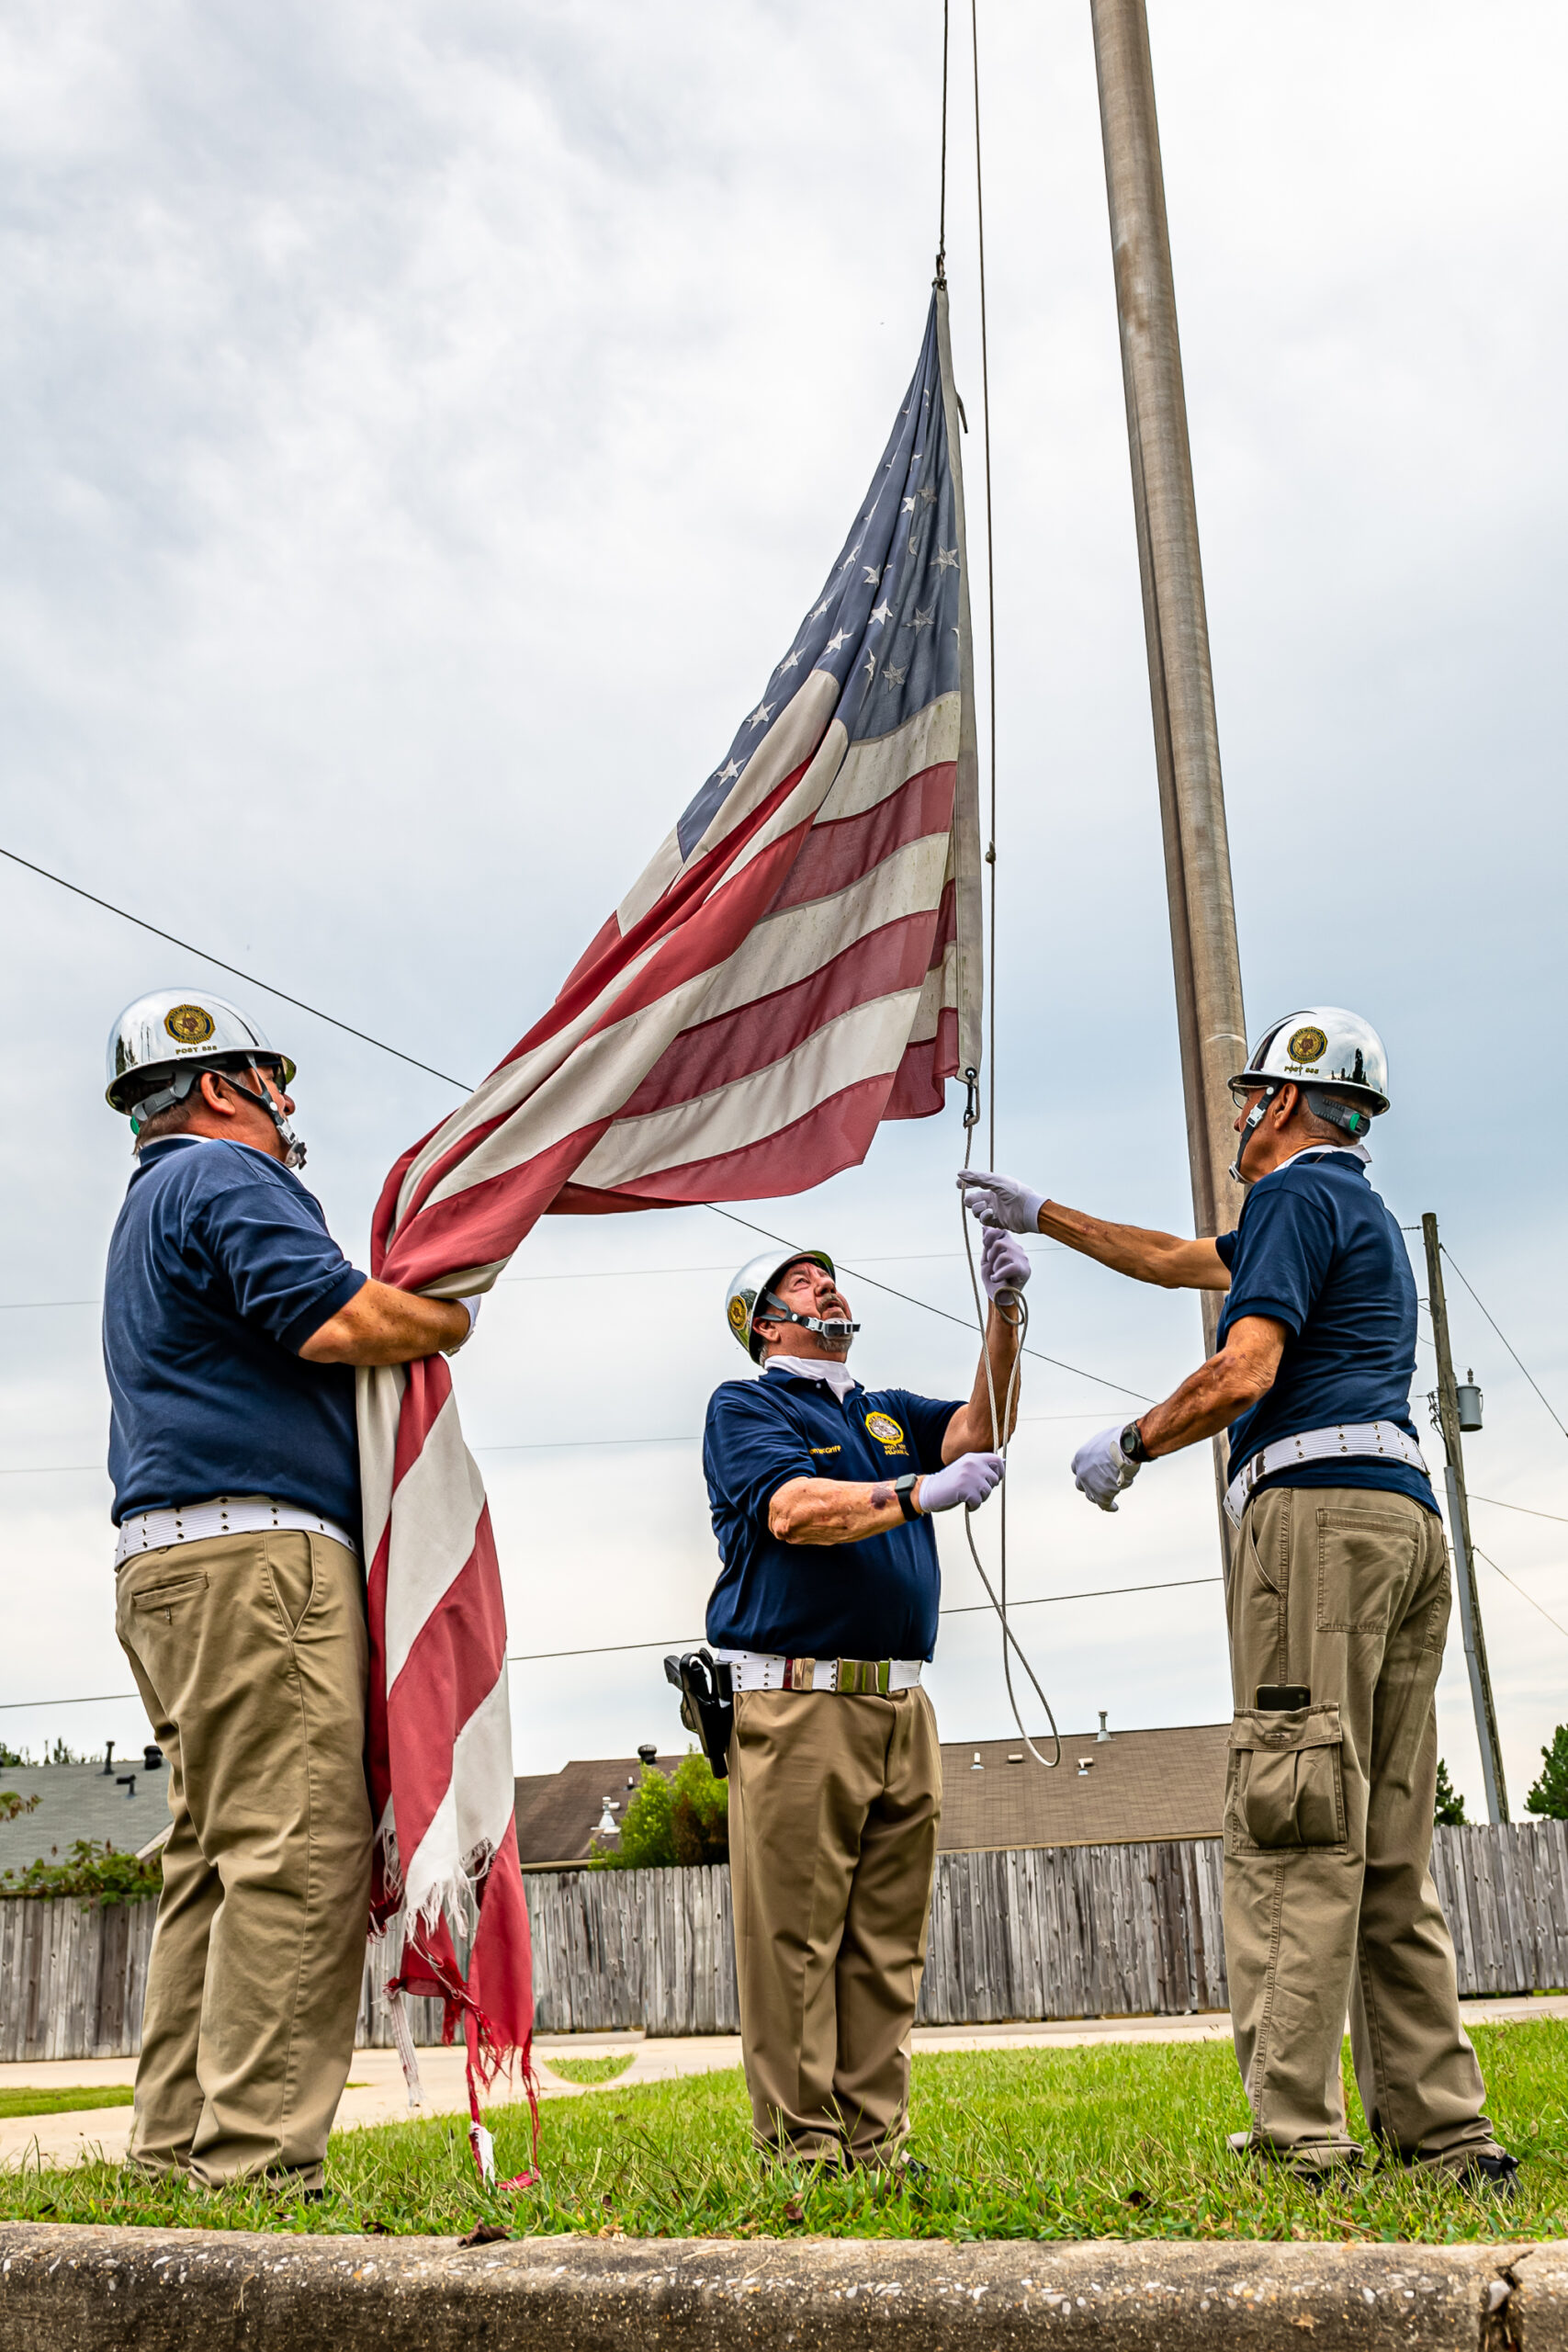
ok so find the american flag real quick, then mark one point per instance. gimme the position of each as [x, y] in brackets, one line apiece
[799, 961]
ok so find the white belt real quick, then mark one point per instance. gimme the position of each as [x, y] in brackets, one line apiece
[867, 1677]
[1365, 1441]
[151, 1531]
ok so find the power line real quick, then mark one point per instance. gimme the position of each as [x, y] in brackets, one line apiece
[910, 1300]
[1509, 1345]
[518, 1445]
[963, 1608]
[445, 1076]
[249, 978]
[580, 1274]
[617, 1649]
[1519, 1589]
[1525, 1507]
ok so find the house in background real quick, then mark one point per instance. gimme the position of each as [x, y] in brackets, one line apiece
[1110, 1789]
[124, 1803]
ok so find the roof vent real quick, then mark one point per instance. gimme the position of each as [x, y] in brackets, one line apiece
[1102, 1736]
[608, 1826]
[108, 1758]
[647, 1753]
[1086, 1764]
[152, 1758]
[125, 1781]
[976, 1766]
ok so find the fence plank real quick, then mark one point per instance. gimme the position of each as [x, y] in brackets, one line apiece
[1033, 1933]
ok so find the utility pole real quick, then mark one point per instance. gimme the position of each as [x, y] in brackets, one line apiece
[1459, 1528]
[1210, 1020]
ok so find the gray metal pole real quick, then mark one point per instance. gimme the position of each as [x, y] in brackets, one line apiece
[1459, 1528]
[1187, 749]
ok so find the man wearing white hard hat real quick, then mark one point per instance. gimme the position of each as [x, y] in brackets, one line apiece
[825, 1612]
[1338, 1603]
[231, 1323]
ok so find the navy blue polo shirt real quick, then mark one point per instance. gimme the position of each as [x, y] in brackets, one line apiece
[874, 1598]
[219, 1270]
[1318, 1251]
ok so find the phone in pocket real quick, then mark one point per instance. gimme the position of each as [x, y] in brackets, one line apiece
[1279, 1698]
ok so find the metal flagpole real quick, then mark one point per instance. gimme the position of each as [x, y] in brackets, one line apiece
[1186, 752]
[1459, 1528]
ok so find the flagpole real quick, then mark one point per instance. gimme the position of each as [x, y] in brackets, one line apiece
[1210, 1020]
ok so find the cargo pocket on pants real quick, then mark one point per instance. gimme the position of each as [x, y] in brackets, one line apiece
[1284, 1786]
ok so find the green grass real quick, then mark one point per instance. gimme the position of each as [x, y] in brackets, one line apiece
[26, 2100]
[591, 2070]
[1113, 2140]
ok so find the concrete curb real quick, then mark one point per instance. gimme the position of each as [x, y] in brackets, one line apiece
[75, 2290]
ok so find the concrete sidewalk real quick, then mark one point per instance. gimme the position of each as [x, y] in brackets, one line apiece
[376, 2093]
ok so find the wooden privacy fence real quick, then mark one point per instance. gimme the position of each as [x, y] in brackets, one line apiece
[1056, 1931]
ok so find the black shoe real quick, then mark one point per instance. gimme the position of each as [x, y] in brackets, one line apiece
[1499, 2173]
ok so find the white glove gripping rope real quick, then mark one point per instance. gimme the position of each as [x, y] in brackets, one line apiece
[1019, 1319]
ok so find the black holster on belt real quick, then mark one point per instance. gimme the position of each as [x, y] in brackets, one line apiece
[708, 1703]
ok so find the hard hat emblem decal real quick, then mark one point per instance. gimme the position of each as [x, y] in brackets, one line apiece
[738, 1314]
[1308, 1045]
[188, 1025]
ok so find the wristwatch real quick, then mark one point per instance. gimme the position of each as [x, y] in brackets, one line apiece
[904, 1489]
[1132, 1443]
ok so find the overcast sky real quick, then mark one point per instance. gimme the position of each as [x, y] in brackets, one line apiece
[420, 429]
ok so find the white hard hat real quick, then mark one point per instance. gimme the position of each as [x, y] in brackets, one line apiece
[745, 1294]
[159, 1032]
[1323, 1045]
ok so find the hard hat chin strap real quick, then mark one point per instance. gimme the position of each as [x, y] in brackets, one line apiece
[1254, 1121]
[772, 1310]
[293, 1149]
[180, 1085]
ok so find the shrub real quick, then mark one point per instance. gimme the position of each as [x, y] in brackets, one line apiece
[672, 1823]
[12, 1804]
[97, 1873]
[699, 1814]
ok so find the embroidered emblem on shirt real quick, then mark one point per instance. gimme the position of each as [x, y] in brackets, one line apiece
[827, 1449]
[190, 1024]
[1308, 1045]
[887, 1432]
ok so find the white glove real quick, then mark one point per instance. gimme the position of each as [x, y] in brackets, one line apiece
[968, 1480]
[1004, 1262]
[1000, 1200]
[1101, 1469]
[472, 1309]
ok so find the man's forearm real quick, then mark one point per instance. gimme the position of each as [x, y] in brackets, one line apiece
[1211, 1397]
[832, 1510]
[1168, 1260]
[972, 1430]
[383, 1325]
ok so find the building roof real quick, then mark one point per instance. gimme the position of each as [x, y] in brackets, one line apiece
[1137, 1785]
[83, 1801]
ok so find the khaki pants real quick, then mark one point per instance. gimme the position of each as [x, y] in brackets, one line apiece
[1329, 1903]
[251, 1653]
[834, 1804]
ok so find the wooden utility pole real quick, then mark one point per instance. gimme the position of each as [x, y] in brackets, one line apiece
[1186, 748]
[1459, 1528]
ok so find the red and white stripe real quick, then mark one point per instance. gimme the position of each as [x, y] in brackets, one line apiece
[738, 1029]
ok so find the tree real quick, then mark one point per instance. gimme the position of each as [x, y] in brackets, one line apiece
[699, 1814]
[646, 1841]
[1549, 1794]
[670, 1823]
[1448, 1813]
